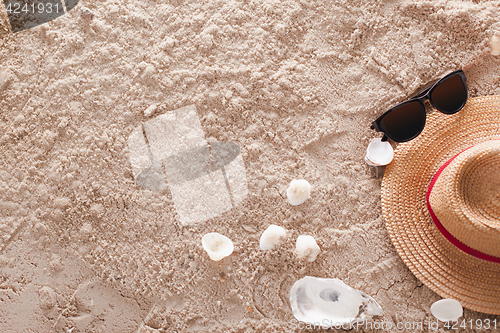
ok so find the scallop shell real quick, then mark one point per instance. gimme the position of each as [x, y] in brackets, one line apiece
[318, 301]
[379, 153]
[447, 309]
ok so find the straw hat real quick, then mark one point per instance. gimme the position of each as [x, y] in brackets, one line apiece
[441, 204]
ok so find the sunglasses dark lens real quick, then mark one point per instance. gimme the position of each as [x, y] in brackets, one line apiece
[450, 95]
[404, 122]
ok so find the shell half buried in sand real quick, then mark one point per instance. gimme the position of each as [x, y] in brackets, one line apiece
[330, 301]
[379, 153]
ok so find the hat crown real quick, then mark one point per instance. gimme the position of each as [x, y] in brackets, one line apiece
[479, 185]
[466, 197]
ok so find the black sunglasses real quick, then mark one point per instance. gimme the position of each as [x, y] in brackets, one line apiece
[406, 120]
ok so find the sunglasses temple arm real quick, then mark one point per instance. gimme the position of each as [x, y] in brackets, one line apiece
[374, 126]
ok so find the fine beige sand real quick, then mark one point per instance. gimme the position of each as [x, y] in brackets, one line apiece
[295, 84]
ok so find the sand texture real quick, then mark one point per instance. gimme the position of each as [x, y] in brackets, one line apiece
[294, 84]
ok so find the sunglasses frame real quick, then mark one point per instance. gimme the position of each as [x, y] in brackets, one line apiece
[421, 97]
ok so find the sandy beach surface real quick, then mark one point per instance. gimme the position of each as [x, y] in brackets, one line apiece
[294, 84]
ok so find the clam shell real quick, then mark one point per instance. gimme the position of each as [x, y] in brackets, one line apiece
[379, 153]
[447, 309]
[318, 301]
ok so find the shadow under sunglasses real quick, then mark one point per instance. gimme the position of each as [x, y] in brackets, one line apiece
[406, 120]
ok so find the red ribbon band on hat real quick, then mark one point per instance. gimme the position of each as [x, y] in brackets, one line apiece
[442, 229]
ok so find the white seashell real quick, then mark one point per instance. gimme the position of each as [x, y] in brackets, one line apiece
[306, 247]
[379, 153]
[271, 236]
[331, 302]
[217, 246]
[447, 309]
[298, 191]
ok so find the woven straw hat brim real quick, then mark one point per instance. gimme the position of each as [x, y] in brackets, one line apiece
[442, 267]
